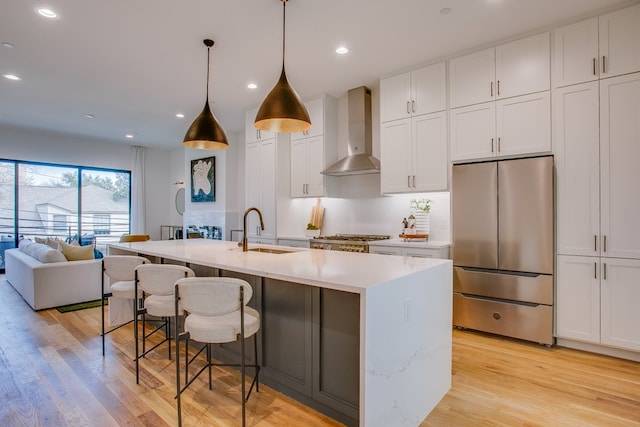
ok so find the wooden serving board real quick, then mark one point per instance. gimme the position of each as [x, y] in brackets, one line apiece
[413, 236]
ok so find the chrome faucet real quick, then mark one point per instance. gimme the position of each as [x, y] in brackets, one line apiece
[245, 242]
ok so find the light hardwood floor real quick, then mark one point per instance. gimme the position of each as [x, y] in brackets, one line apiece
[52, 374]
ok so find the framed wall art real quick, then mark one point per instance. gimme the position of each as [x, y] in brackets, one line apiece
[203, 184]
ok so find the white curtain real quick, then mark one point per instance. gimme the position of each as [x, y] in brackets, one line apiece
[137, 191]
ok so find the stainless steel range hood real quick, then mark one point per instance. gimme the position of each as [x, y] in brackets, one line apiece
[359, 161]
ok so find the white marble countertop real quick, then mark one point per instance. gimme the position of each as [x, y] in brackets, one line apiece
[345, 271]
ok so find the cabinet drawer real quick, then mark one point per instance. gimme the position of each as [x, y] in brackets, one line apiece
[527, 322]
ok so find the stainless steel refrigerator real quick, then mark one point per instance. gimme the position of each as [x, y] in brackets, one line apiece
[503, 247]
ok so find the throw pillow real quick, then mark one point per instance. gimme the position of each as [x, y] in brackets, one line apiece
[41, 240]
[52, 243]
[76, 253]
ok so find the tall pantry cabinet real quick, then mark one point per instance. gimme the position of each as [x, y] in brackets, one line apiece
[260, 180]
[597, 147]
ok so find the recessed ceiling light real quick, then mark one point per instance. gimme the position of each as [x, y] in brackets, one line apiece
[252, 86]
[47, 13]
[342, 50]
[445, 11]
[7, 45]
[130, 136]
[180, 116]
[11, 77]
[89, 116]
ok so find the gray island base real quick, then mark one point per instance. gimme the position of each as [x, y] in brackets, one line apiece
[363, 338]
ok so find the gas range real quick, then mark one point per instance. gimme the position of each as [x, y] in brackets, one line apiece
[346, 242]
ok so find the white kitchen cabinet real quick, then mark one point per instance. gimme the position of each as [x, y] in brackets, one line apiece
[315, 108]
[619, 167]
[514, 126]
[598, 238]
[620, 293]
[576, 53]
[413, 154]
[251, 133]
[410, 251]
[260, 187]
[511, 69]
[413, 93]
[577, 160]
[619, 42]
[578, 298]
[600, 47]
[313, 151]
[597, 300]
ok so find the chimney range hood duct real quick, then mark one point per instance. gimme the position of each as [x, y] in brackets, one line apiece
[359, 161]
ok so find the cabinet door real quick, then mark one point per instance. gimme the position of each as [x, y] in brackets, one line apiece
[419, 252]
[429, 157]
[385, 250]
[620, 285]
[577, 158]
[429, 90]
[620, 42]
[471, 78]
[298, 168]
[253, 191]
[620, 174]
[523, 66]
[395, 97]
[578, 298]
[395, 156]
[524, 124]
[315, 166]
[315, 108]
[576, 53]
[473, 132]
[251, 133]
[268, 189]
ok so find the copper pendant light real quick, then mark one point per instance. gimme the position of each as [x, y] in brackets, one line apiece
[282, 110]
[205, 132]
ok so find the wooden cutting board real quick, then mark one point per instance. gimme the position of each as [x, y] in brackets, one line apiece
[317, 215]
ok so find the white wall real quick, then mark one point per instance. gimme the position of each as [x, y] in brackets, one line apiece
[41, 146]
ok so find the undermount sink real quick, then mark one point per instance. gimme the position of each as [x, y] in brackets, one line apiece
[271, 251]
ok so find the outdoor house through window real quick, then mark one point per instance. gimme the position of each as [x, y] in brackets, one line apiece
[67, 203]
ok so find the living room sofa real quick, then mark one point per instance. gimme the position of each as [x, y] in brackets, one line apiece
[45, 279]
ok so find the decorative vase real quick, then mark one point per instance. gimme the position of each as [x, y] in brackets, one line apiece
[422, 221]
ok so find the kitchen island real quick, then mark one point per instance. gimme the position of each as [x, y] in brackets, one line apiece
[364, 338]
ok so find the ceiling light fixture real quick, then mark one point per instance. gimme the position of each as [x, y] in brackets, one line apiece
[90, 116]
[11, 77]
[252, 86]
[180, 115]
[8, 45]
[282, 110]
[205, 133]
[129, 136]
[342, 50]
[47, 13]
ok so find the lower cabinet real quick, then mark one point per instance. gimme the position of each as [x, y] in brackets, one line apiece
[439, 253]
[310, 344]
[597, 300]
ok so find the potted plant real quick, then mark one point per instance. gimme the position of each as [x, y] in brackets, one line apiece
[312, 231]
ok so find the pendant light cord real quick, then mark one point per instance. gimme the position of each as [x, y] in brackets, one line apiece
[284, 20]
[208, 62]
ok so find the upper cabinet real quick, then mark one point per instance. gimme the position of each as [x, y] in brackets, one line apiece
[516, 68]
[601, 47]
[413, 131]
[251, 133]
[413, 93]
[313, 150]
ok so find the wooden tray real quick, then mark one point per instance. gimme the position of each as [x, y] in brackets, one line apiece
[413, 236]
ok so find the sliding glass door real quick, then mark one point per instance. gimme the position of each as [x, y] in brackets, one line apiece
[67, 203]
[7, 208]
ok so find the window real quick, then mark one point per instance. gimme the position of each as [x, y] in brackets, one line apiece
[101, 224]
[64, 202]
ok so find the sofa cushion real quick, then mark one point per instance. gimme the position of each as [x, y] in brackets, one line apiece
[41, 252]
[76, 253]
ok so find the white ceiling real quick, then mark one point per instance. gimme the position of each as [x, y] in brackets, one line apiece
[134, 64]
